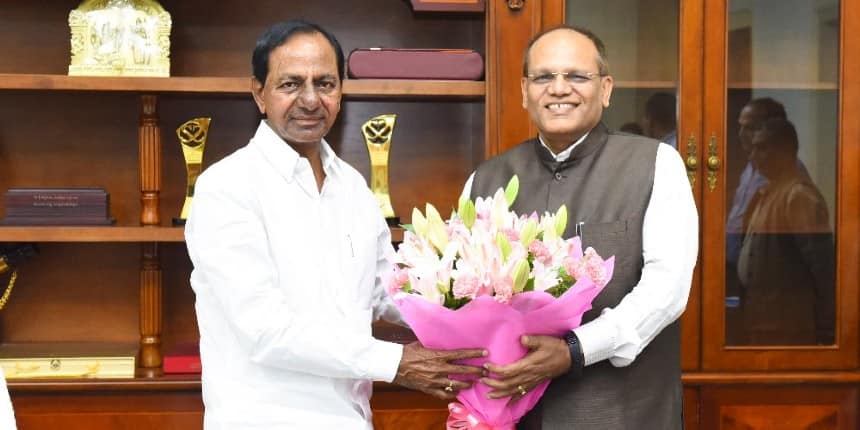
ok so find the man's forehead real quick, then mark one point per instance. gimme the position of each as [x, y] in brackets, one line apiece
[563, 48]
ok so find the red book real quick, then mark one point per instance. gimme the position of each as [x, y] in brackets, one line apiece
[183, 359]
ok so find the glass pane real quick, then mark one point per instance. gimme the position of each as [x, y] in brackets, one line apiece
[783, 58]
[641, 38]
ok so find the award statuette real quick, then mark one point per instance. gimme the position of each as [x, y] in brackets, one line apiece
[192, 137]
[377, 133]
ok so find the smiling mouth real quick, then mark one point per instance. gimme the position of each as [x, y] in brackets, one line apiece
[307, 120]
[561, 107]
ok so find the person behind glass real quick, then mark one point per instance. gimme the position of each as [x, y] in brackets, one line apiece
[632, 127]
[627, 196]
[752, 116]
[288, 244]
[660, 122]
[786, 262]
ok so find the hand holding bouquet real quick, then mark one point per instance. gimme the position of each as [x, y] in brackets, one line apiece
[484, 278]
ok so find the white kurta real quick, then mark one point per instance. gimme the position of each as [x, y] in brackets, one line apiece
[7, 415]
[286, 280]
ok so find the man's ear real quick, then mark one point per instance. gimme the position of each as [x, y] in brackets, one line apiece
[523, 84]
[606, 93]
[257, 92]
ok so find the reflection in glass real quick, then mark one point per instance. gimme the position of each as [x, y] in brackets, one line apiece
[641, 38]
[781, 158]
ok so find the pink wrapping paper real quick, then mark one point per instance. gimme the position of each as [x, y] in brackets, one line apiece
[497, 327]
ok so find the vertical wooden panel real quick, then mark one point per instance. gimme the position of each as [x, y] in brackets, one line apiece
[150, 310]
[149, 141]
[691, 144]
[508, 34]
[691, 408]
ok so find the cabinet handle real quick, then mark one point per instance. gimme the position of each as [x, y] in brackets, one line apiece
[515, 4]
[714, 163]
[692, 160]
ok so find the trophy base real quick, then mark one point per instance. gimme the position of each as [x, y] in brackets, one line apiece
[178, 222]
[393, 221]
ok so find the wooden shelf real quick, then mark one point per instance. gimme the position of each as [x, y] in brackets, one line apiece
[109, 234]
[191, 382]
[368, 88]
[784, 85]
[733, 85]
[646, 84]
[91, 234]
[179, 382]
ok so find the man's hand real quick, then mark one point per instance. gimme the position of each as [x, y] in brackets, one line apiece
[548, 357]
[428, 370]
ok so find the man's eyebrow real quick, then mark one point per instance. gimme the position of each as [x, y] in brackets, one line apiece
[289, 77]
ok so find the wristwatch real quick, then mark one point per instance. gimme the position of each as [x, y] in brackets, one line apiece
[577, 359]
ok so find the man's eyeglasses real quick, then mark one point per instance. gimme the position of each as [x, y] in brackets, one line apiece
[572, 78]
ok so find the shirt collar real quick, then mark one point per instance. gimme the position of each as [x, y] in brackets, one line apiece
[285, 159]
[563, 155]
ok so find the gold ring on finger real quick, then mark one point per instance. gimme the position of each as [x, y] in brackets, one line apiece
[450, 387]
[521, 390]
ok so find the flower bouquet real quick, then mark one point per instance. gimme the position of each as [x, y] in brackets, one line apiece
[484, 278]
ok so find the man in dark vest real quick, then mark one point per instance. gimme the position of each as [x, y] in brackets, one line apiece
[626, 196]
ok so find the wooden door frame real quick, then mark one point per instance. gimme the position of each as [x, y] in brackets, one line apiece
[844, 355]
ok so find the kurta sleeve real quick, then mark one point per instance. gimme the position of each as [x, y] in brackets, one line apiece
[670, 248]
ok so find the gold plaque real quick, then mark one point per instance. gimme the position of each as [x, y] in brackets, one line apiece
[377, 133]
[192, 136]
[120, 38]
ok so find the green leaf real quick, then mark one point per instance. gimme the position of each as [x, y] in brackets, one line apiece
[408, 227]
[561, 220]
[512, 190]
[530, 285]
[504, 245]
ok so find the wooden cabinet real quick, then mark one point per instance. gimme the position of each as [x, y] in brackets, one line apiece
[716, 56]
[128, 283]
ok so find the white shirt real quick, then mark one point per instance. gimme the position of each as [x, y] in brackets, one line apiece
[286, 281]
[7, 414]
[670, 243]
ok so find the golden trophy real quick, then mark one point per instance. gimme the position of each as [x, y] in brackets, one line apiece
[120, 38]
[377, 133]
[192, 136]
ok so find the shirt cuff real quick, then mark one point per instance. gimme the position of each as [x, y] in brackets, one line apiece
[385, 360]
[603, 338]
[597, 339]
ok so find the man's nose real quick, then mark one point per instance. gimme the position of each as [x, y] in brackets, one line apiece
[559, 85]
[309, 98]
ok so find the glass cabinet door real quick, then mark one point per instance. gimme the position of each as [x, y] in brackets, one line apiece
[776, 292]
[654, 50]
[641, 39]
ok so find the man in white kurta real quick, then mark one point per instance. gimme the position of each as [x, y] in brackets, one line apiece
[285, 281]
[289, 246]
[7, 415]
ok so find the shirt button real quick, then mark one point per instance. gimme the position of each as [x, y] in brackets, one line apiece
[558, 176]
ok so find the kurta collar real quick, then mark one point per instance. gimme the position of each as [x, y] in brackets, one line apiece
[285, 159]
[579, 150]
